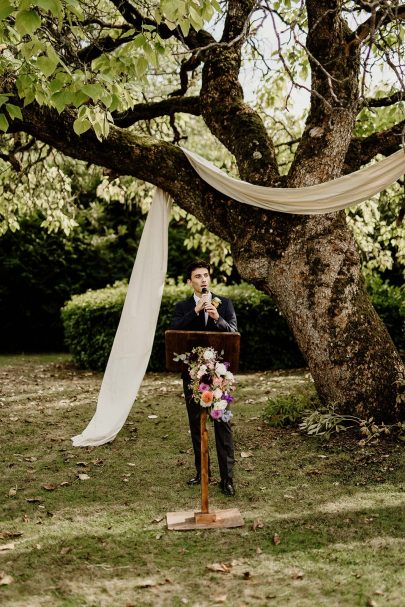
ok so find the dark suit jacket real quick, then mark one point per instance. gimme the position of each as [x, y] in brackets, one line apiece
[185, 318]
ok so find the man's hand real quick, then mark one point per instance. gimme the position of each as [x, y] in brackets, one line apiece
[212, 311]
[201, 303]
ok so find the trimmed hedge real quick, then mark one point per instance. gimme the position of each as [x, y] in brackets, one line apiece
[90, 321]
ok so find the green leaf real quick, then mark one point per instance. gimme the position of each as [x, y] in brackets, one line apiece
[3, 123]
[14, 111]
[79, 98]
[47, 64]
[55, 85]
[139, 40]
[32, 48]
[141, 65]
[60, 100]
[3, 99]
[185, 27]
[5, 9]
[81, 125]
[54, 6]
[74, 7]
[93, 90]
[26, 22]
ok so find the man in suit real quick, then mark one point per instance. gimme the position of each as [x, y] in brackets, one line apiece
[197, 313]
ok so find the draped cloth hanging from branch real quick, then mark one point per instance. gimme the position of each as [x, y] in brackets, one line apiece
[133, 341]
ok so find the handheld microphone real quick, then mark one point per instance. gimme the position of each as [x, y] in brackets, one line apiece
[204, 291]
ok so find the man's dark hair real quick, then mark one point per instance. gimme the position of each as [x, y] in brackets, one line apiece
[198, 263]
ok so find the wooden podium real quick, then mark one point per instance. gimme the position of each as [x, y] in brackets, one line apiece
[179, 342]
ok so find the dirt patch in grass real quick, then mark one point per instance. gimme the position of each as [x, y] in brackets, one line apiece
[324, 521]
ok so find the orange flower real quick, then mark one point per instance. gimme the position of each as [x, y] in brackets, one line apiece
[207, 397]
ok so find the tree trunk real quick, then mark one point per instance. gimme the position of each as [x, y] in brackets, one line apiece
[318, 288]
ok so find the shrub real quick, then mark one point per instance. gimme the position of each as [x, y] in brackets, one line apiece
[90, 321]
[288, 409]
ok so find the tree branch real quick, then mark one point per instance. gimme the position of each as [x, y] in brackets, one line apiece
[103, 45]
[228, 117]
[378, 19]
[160, 163]
[363, 149]
[166, 107]
[386, 101]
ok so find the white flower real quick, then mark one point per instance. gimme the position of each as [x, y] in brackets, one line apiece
[221, 405]
[209, 355]
[229, 375]
[201, 371]
[220, 369]
[217, 393]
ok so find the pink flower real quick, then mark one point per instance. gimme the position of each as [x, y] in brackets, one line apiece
[203, 387]
[217, 381]
[216, 413]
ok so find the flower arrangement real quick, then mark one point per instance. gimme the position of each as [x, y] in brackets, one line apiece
[211, 381]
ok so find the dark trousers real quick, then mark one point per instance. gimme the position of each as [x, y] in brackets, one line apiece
[223, 436]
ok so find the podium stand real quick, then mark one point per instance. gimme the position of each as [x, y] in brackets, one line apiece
[180, 342]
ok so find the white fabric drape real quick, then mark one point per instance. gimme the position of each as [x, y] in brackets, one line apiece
[133, 341]
[313, 200]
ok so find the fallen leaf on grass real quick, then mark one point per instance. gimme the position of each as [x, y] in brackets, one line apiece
[145, 583]
[131, 464]
[257, 524]
[219, 567]
[31, 458]
[49, 486]
[83, 477]
[152, 416]
[371, 603]
[297, 575]
[246, 454]
[276, 539]
[5, 579]
[10, 546]
[34, 500]
[83, 464]
[64, 484]
[158, 519]
[221, 598]
[12, 492]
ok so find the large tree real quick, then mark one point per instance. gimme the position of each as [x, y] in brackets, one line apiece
[82, 77]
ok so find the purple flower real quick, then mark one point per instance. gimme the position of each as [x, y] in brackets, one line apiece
[228, 397]
[203, 387]
[227, 365]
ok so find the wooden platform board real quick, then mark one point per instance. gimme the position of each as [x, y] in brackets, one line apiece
[185, 520]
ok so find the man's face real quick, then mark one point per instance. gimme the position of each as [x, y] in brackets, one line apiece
[200, 277]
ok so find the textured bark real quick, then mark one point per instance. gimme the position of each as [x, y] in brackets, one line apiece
[309, 264]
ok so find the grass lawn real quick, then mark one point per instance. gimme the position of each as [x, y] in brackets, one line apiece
[324, 522]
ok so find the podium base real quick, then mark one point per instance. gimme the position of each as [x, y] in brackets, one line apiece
[188, 520]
